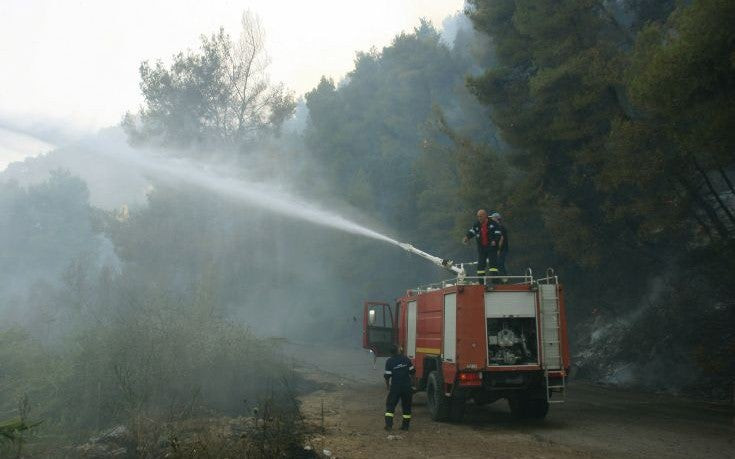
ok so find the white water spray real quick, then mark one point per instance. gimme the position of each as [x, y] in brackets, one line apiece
[256, 194]
[259, 195]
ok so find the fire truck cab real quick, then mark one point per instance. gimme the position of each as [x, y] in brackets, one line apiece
[481, 342]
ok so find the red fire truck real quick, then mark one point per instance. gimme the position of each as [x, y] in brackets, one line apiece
[481, 342]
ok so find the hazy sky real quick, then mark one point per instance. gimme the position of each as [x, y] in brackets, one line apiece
[77, 62]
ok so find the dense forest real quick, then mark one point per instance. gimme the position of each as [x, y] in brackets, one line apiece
[602, 131]
[607, 150]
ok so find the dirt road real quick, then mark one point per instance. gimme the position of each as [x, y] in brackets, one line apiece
[594, 422]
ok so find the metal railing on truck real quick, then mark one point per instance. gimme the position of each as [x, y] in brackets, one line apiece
[526, 278]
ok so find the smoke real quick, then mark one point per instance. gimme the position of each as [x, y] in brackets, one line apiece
[161, 269]
[15, 146]
[110, 186]
[453, 25]
[245, 225]
[24, 135]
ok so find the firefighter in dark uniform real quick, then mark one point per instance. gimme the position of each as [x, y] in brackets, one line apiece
[398, 372]
[503, 244]
[487, 233]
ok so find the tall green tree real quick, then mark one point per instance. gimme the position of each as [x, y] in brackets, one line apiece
[368, 131]
[619, 118]
[219, 96]
[674, 158]
[555, 96]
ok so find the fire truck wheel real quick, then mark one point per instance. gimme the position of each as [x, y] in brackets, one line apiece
[436, 400]
[528, 408]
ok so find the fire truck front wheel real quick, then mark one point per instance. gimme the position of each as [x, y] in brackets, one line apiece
[438, 403]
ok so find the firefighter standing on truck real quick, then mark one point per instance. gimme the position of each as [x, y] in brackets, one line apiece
[487, 233]
[398, 372]
[502, 244]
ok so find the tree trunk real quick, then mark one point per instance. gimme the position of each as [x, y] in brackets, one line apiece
[712, 190]
[706, 207]
[727, 179]
[703, 225]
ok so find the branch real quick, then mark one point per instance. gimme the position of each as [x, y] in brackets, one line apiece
[708, 209]
[712, 190]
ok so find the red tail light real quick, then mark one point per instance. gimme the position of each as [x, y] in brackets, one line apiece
[470, 379]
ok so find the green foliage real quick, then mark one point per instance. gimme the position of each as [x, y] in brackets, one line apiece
[276, 429]
[554, 97]
[369, 129]
[147, 353]
[219, 96]
[679, 146]
[13, 432]
[10, 429]
[607, 148]
[44, 225]
[93, 346]
[623, 136]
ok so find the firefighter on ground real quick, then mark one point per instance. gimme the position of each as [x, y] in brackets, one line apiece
[487, 233]
[398, 372]
[502, 243]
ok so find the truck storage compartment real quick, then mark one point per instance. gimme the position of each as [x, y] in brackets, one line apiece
[512, 341]
[511, 327]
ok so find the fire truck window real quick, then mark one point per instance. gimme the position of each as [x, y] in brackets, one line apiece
[380, 316]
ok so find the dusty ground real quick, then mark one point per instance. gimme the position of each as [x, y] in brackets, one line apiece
[594, 422]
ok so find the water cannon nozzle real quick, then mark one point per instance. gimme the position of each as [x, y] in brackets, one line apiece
[444, 263]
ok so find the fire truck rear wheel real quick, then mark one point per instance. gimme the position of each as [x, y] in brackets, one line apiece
[436, 400]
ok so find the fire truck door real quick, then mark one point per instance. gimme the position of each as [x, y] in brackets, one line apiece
[379, 329]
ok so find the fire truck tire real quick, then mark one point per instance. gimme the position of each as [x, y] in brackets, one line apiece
[528, 408]
[439, 404]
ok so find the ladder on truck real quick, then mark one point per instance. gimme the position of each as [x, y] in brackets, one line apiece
[551, 345]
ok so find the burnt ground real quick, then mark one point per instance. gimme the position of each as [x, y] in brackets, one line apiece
[594, 422]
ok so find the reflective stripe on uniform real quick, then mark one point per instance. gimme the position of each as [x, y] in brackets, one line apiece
[388, 372]
[493, 269]
[411, 368]
[389, 415]
[406, 416]
[480, 272]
